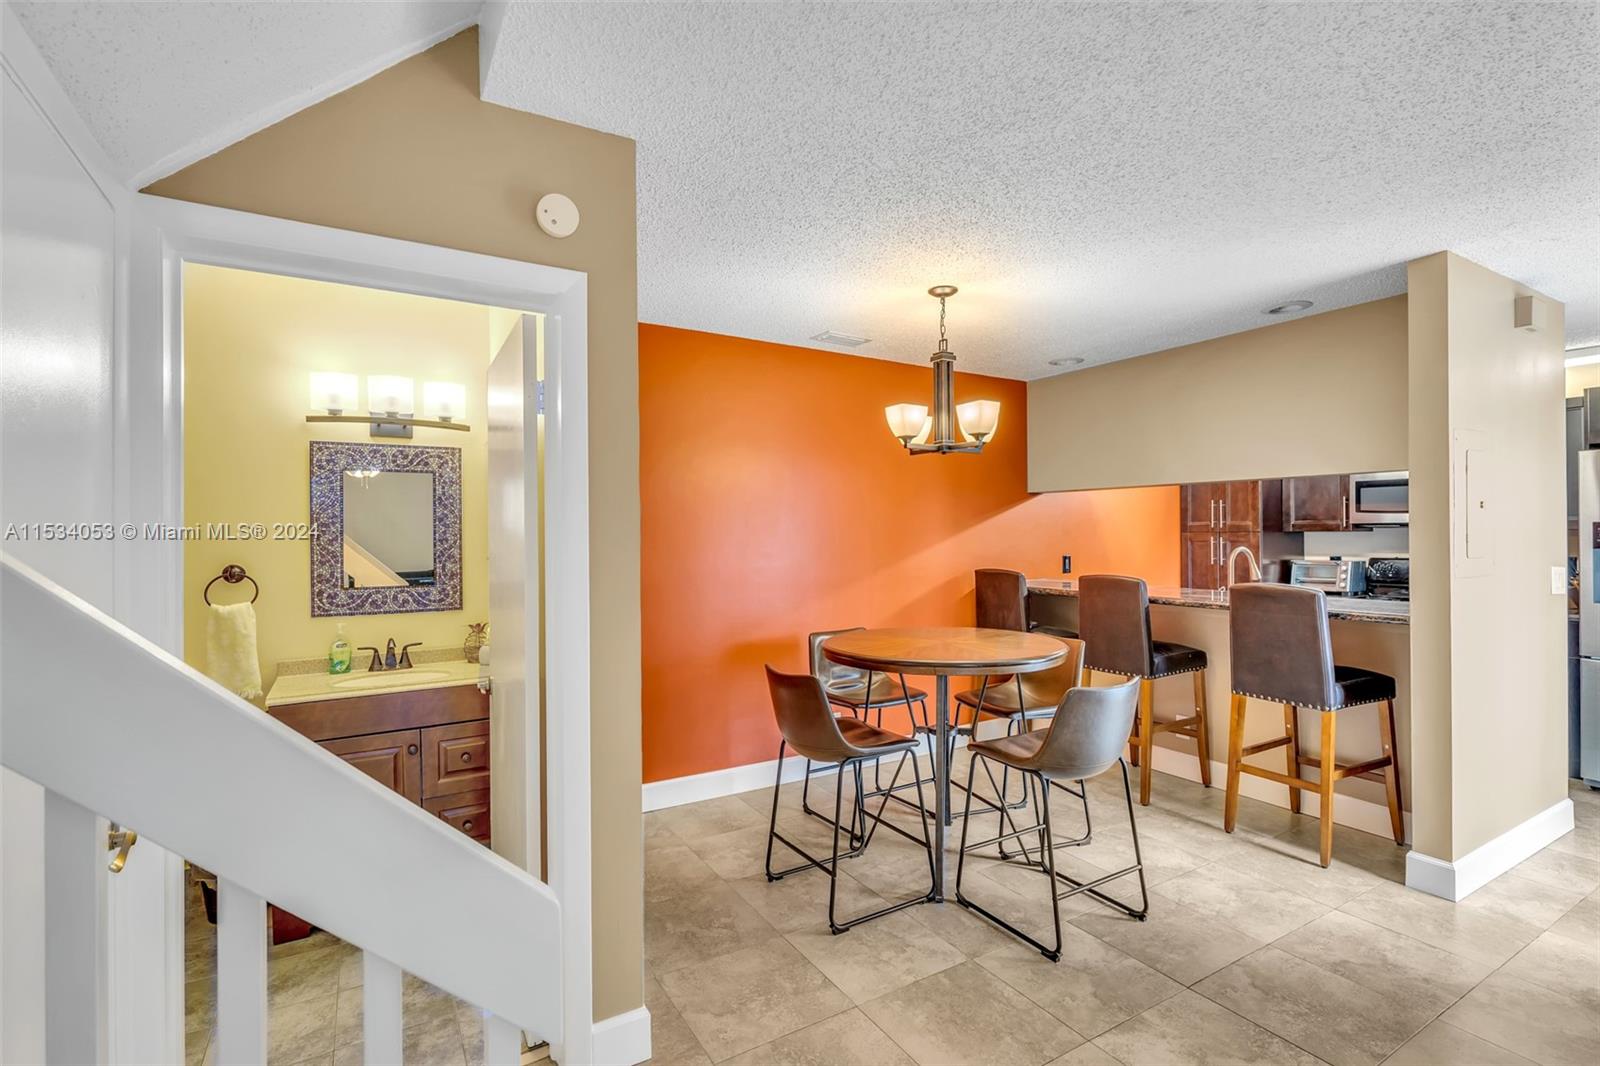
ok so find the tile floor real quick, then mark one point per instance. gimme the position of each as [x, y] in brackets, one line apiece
[1252, 953]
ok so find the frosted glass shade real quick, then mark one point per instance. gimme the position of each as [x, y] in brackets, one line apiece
[333, 393]
[388, 394]
[906, 419]
[444, 400]
[927, 431]
[979, 418]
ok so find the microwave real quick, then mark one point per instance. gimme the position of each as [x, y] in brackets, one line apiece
[1380, 499]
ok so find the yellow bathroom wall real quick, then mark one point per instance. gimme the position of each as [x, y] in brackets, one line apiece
[250, 343]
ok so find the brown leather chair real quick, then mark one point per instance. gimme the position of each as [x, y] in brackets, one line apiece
[1087, 736]
[1114, 621]
[808, 725]
[1282, 652]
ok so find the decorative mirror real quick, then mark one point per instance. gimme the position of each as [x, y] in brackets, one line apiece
[388, 522]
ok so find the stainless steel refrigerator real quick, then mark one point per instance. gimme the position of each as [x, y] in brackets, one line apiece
[1588, 662]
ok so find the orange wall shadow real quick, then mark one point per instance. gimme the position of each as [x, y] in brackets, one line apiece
[774, 502]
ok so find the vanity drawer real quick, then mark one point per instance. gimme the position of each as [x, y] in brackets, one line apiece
[466, 811]
[394, 760]
[455, 758]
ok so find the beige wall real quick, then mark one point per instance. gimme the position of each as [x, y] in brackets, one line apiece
[1582, 377]
[413, 153]
[250, 344]
[1317, 395]
[1488, 667]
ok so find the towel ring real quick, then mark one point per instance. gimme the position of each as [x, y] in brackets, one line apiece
[233, 573]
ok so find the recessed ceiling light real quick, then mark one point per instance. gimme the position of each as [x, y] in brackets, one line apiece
[1068, 360]
[1290, 308]
[845, 340]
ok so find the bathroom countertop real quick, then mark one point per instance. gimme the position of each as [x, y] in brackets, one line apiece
[307, 688]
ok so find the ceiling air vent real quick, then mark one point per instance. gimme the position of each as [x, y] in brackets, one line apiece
[844, 340]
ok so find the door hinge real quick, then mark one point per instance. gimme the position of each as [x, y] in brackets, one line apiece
[538, 405]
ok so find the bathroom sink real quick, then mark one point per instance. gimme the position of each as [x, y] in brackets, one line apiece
[390, 679]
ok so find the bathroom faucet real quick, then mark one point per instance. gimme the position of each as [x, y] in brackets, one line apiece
[1233, 556]
[389, 661]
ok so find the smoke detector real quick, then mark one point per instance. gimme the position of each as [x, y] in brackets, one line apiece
[843, 340]
[557, 215]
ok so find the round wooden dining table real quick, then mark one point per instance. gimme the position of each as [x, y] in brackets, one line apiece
[943, 652]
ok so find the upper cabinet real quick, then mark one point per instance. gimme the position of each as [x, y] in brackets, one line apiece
[1316, 504]
[1219, 516]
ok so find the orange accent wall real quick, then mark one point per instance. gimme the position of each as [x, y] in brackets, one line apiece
[774, 502]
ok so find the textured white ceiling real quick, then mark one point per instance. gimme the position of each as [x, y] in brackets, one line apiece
[163, 84]
[1102, 180]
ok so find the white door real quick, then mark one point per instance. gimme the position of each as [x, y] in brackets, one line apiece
[515, 604]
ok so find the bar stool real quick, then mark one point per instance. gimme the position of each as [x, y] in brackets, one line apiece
[1086, 738]
[860, 693]
[1114, 621]
[809, 726]
[1282, 653]
[1002, 597]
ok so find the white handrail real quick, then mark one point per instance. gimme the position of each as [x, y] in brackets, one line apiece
[91, 710]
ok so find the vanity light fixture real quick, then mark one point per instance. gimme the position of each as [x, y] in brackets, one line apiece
[390, 403]
[951, 427]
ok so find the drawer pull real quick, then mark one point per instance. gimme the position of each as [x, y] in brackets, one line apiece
[466, 756]
[467, 825]
[411, 749]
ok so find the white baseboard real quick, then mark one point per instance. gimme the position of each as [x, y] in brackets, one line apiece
[622, 1039]
[1457, 880]
[1348, 810]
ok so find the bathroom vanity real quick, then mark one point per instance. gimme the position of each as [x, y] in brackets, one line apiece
[423, 732]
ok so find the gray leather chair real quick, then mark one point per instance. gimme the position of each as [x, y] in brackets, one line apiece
[1087, 737]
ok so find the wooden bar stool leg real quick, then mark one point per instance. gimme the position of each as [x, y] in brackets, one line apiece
[1202, 742]
[1291, 728]
[1147, 736]
[1230, 807]
[1391, 773]
[1325, 815]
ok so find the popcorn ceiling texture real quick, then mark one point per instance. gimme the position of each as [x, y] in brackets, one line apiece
[1102, 180]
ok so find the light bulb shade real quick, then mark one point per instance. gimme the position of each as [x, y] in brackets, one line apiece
[333, 393]
[906, 419]
[927, 431]
[444, 400]
[389, 394]
[979, 418]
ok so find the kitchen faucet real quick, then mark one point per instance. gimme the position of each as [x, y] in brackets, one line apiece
[1250, 557]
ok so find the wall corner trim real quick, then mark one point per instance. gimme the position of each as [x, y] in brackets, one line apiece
[1457, 880]
[622, 1039]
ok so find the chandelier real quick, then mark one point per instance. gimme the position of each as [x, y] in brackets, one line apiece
[951, 427]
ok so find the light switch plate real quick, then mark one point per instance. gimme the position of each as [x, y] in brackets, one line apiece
[1066, 564]
[1558, 581]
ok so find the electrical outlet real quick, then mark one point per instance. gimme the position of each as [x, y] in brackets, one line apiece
[1066, 564]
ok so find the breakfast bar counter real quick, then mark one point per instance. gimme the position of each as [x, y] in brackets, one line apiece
[1370, 633]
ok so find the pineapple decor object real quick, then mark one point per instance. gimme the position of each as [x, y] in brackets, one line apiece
[477, 637]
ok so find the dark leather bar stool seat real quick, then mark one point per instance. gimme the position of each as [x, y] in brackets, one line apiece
[1114, 620]
[807, 724]
[1282, 653]
[1087, 737]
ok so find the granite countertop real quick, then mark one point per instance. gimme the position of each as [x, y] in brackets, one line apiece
[306, 688]
[1347, 608]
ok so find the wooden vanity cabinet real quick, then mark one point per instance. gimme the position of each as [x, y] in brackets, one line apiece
[429, 745]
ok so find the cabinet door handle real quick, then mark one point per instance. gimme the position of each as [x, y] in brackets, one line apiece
[1344, 512]
[467, 825]
[411, 749]
[466, 756]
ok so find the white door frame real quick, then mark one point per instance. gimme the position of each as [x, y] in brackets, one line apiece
[184, 232]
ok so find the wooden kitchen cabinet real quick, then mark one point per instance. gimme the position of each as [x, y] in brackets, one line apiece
[1218, 516]
[1316, 504]
[1239, 506]
[1198, 506]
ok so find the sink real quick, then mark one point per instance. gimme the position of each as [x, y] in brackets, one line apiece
[390, 678]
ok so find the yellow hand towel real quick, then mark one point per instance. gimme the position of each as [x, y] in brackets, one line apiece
[231, 648]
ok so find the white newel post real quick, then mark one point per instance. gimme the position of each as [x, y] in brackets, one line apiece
[382, 1026]
[74, 883]
[241, 975]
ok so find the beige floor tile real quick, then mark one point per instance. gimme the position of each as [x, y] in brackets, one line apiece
[1475, 933]
[306, 975]
[1224, 893]
[1562, 964]
[1564, 869]
[1190, 1029]
[967, 1015]
[672, 1043]
[1538, 903]
[742, 852]
[1292, 862]
[657, 834]
[750, 997]
[800, 901]
[1394, 966]
[1180, 942]
[1442, 1044]
[1582, 922]
[1330, 1016]
[878, 956]
[1377, 855]
[1534, 1021]
[1584, 840]
[435, 1044]
[675, 871]
[301, 1030]
[1092, 988]
[195, 1045]
[848, 1039]
[701, 925]
[200, 1005]
[696, 821]
[1090, 1054]
[1030, 885]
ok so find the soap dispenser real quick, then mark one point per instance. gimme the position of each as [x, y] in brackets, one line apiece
[339, 653]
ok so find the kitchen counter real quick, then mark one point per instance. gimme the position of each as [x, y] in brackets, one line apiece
[1345, 608]
[309, 688]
